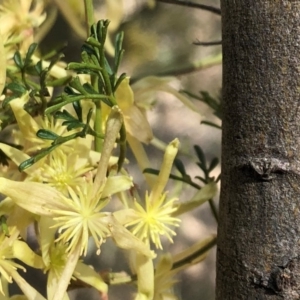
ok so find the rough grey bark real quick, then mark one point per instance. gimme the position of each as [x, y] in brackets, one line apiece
[258, 253]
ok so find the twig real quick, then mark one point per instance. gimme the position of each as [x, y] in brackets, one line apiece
[186, 69]
[198, 43]
[211, 9]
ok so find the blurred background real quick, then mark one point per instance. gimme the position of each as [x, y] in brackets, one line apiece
[159, 39]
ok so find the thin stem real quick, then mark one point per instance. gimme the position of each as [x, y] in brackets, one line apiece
[98, 127]
[89, 15]
[113, 126]
[186, 69]
[188, 259]
[211, 9]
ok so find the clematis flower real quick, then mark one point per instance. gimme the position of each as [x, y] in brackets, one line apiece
[63, 171]
[11, 248]
[55, 258]
[77, 218]
[163, 280]
[155, 219]
[135, 120]
[145, 91]
[19, 18]
[29, 126]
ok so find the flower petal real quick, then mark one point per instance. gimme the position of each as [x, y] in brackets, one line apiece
[17, 156]
[88, 275]
[125, 239]
[35, 197]
[145, 277]
[203, 195]
[115, 184]
[22, 252]
[2, 64]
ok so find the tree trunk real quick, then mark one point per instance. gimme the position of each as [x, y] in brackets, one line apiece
[259, 231]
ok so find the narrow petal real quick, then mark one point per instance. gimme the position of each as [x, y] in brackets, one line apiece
[27, 289]
[124, 95]
[165, 170]
[35, 197]
[22, 252]
[91, 277]
[26, 123]
[203, 195]
[66, 275]
[18, 156]
[145, 277]
[125, 239]
[115, 184]
[47, 237]
[137, 124]
[2, 64]
[52, 283]
[125, 216]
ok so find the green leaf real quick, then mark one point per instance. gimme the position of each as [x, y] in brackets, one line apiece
[29, 53]
[151, 171]
[85, 57]
[213, 164]
[107, 67]
[26, 164]
[211, 124]
[89, 51]
[93, 42]
[39, 67]
[78, 109]
[201, 156]
[89, 89]
[120, 79]
[72, 125]
[76, 84]
[180, 166]
[18, 60]
[17, 88]
[65, 115]
[29, 162]
[118, 51]
[46, 134]
[69, 91]
[75, 66]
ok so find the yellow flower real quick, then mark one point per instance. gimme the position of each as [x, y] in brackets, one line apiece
[135, 120]
[81, 218]
[154, 220]
[145, 91]
[77, 218]
[63, 171]
[18, 20]
[163, 280]
[10, 249]
[29, 126]
[58, 261]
